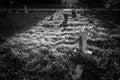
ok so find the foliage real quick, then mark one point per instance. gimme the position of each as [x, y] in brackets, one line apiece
[110, 3]
[43, 65]
[10, 65]
[70, 3]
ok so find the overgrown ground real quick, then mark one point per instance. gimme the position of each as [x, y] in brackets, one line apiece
[48, 48]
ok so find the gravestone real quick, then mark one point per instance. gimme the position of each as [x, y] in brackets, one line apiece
[26, 9]
[64, 23]
[78, 72]
[74, 14]
[83, 41]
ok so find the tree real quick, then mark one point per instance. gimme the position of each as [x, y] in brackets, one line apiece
[70, 3]
[110, 3]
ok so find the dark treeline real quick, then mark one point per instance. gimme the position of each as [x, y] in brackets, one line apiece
[88, 3]
[43, 2]
[28, 2]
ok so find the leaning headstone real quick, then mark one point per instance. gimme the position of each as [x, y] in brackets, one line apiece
[78, 72]
[64, 23]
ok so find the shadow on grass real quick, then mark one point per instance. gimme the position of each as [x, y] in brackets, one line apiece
[11, 23]
[111, 18]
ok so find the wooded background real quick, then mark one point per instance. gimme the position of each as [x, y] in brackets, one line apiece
[61, 3]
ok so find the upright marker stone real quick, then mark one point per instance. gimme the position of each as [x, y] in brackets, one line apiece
[74, 14]
[83, 42]
[26, 9]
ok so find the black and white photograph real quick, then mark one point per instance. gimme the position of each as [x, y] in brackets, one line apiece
[59, 39]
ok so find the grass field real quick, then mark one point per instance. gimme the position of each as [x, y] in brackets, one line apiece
[43, 46]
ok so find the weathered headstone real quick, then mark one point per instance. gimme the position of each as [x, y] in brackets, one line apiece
[26, 9]
[65, 16]
[74, 13]
[64, 23]
[83, 41]
[78, 72]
